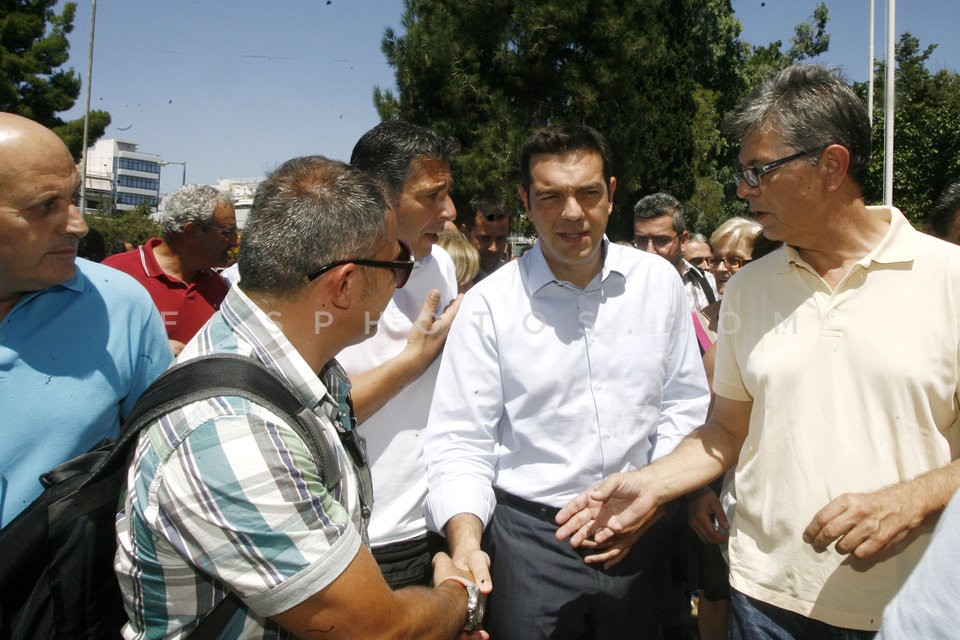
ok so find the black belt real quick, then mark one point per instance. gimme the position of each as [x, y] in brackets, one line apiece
[529, 507]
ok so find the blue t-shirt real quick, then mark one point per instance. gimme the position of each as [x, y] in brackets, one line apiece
[73, 359]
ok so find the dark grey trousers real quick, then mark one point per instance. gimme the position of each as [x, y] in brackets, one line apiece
[543, 590]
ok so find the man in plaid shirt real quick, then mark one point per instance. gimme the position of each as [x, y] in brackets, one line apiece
[223, 497]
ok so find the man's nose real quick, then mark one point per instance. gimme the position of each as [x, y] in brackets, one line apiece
[449, 211]
[572, 209]
[76, 225]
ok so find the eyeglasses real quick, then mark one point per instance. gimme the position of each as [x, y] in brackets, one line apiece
[700, 263]
[401, 267]
[751, 175]
[225, 232]
[732, 262]
[640, 242]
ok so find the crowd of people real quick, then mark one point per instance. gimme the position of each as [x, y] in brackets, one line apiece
[524, 448]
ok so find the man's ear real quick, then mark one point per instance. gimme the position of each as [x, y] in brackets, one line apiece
[343, 283]
[835, 163]
[684, 238]
[191, 230]
[523, 197]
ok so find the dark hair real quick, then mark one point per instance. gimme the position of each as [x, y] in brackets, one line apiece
[762, 245]
[491, 208]
[810, 107]
[661, 204]
[92, 246]
[309, 212]
[945, 211]
[559, 138]
[388, 150]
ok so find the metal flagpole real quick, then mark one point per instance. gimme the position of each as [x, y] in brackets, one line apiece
[870, 66]
[86, 110]
[889, 103]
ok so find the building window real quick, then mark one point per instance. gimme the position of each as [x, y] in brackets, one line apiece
[138, 165]
[138, 183]
[135, 199]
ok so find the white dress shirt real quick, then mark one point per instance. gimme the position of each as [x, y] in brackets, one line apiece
[394, 434]
[545, 388]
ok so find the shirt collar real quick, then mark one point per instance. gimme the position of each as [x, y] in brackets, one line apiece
[78, 282]
[148, 261]
[272, 348]
[427, 259]
[539, 274]
[897, 245]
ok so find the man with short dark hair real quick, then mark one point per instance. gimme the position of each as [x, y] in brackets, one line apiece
[199, 232]
[842, 424]
[79, 342]
[394, 372]
[487, 226]
[659, 226]
[944, 219]
[576, 359]
[224, 497]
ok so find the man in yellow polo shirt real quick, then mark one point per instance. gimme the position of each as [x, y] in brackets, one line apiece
[836, 380]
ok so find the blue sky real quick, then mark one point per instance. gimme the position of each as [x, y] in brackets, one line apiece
[234, 88]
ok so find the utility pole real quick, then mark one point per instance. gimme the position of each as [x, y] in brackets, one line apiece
[86, 110]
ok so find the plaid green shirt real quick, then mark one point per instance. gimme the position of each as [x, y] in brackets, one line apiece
[223, 495]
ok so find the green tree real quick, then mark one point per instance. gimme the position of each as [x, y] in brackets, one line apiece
[926, 153]
[654, 76]
[33, 81]
[744, 65]
[488, 72]
[135, 225]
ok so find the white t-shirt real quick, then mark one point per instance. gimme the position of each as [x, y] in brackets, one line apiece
[395, 433]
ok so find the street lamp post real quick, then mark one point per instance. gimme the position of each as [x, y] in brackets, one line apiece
[183, 178]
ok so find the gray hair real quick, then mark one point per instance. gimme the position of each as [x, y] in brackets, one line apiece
[307, 213]
[661, 204]
[191, 203]
[388, 151]
[811, 107]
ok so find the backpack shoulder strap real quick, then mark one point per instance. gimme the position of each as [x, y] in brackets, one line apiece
[701, 281]
[215, 375]
[207, 377]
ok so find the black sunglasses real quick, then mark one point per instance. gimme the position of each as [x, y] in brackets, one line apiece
[401, 267]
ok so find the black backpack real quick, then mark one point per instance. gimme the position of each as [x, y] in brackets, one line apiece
[56, 557]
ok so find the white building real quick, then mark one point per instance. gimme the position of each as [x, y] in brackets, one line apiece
[241, 190]
[119, 174]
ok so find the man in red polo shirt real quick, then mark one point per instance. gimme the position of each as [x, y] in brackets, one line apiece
[199, 230]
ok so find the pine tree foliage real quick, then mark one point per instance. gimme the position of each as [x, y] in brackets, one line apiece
[33, 80]
[489, 72]
[655, 76]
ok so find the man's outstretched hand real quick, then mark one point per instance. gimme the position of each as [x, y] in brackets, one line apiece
[617, 506]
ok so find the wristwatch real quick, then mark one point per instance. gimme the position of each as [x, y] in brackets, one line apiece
[476, 603]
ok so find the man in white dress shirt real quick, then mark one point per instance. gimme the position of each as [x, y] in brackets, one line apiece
[576, 360]
[393, 372]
